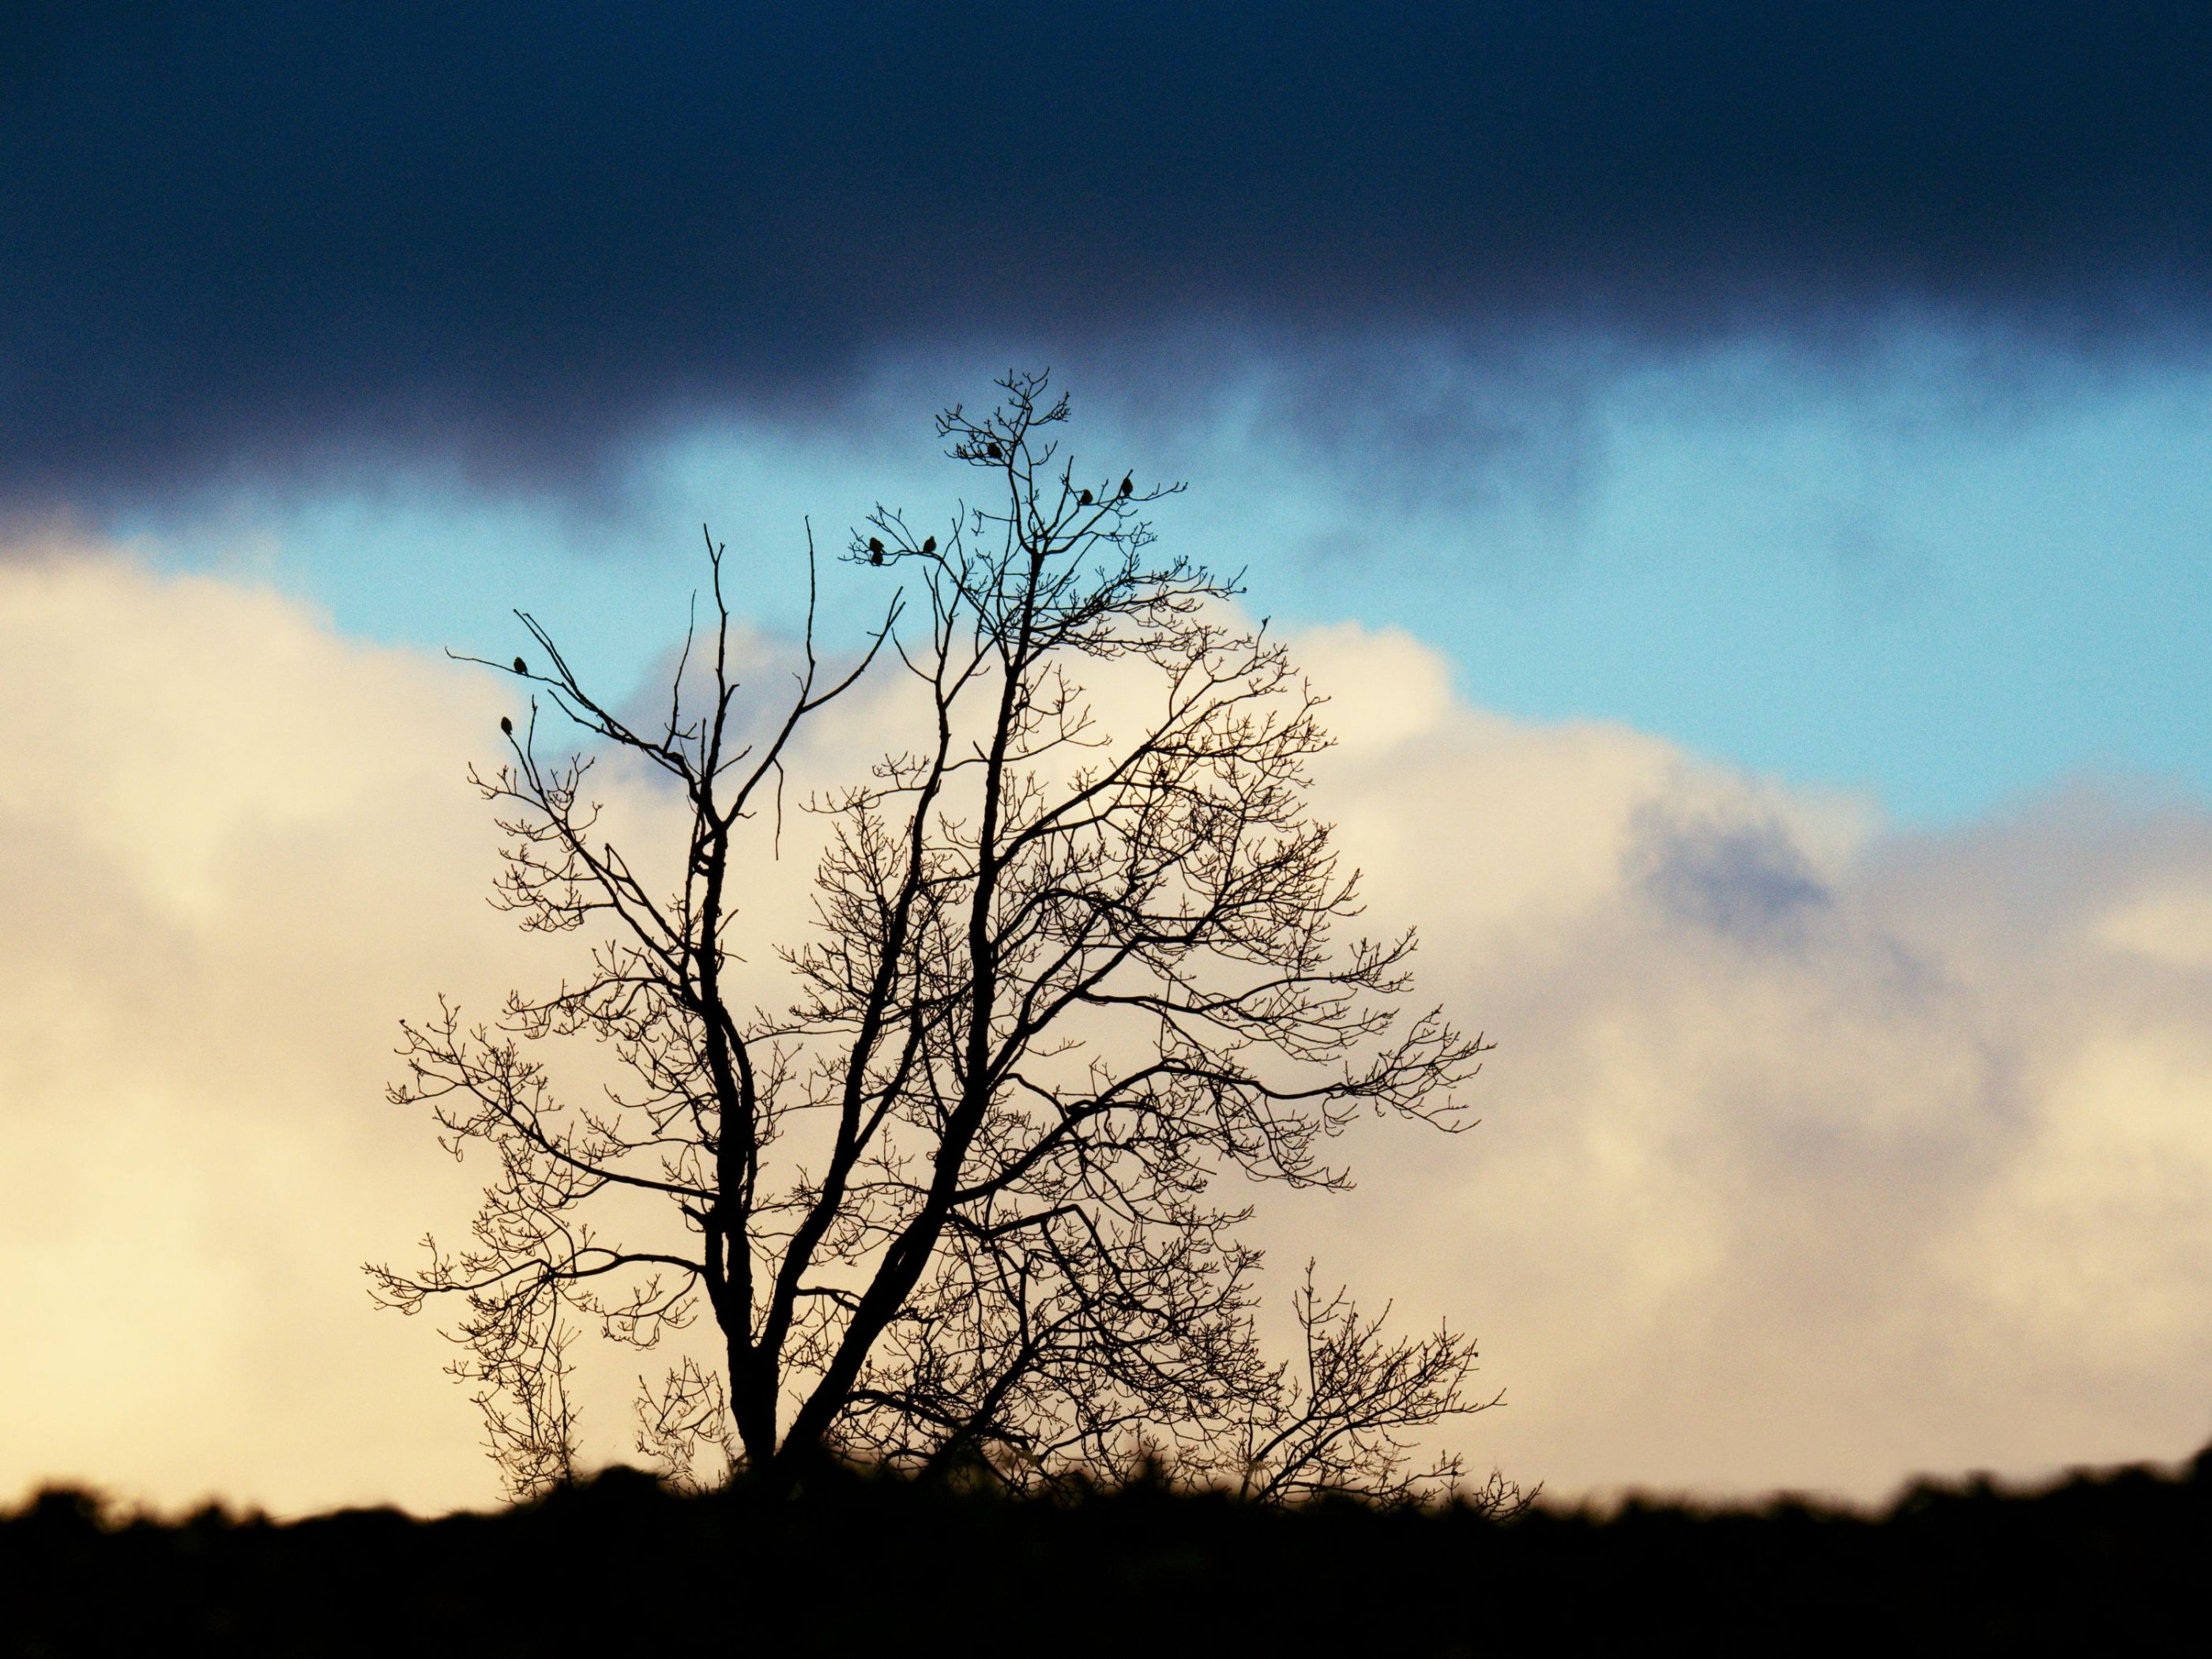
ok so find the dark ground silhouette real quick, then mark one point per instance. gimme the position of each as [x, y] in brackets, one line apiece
[2103, 1560]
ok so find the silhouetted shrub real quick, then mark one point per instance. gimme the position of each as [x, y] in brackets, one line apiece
[620, 1565]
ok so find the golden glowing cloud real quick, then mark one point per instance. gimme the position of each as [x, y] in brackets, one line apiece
[1814, 1153]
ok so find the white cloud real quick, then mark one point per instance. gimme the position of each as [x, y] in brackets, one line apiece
[233, 850]
[1814, 1153]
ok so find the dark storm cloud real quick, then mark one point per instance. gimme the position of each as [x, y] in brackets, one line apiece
[253, 234]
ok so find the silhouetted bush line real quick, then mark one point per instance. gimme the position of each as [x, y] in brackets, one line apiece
[881, 1565]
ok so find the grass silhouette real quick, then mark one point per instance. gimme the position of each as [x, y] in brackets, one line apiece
[620, 1565]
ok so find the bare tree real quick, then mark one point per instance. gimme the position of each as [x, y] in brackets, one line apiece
[951, 1206]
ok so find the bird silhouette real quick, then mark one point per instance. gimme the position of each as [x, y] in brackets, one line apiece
[520, 666]
[1127, 483]
[1083, 499]
[993, 451]
[507, 725]
[929, 544]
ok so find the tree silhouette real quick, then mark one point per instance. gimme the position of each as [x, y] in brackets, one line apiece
[951, 1206]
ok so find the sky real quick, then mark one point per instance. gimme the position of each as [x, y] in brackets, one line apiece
[1743, 474]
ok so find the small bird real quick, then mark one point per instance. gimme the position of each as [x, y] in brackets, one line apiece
[507, 725]
[993, 451]
[1083, 499]
[875, 550]
[929, 544]
[520, 666]
[1127, 484]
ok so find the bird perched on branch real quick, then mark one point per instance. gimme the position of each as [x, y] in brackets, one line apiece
[1127, 483]
[875, 550]
[507, 725]
[928, 546]
[1083, 499]
[520, 666]
[994, 452]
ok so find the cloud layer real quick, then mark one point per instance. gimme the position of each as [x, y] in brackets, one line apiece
[1815, 1154]
[257, 236]
[232, 856]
